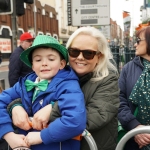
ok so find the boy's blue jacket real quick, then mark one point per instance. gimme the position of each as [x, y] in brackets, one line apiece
[65, 89]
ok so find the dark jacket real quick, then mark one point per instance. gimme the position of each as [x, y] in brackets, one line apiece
[16, 67]
[128, 77]
[102, 103]
[63, 88]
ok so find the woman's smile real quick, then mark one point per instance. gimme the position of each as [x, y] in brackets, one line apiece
[81, 64]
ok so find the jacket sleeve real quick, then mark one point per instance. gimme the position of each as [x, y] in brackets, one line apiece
[103, 105]
[55, 113]
[72, 121]
[125, 115]
[16, 102]
[5, 98]
[15, 66]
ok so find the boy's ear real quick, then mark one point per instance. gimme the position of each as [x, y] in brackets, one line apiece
[32, 68]
[62, 64]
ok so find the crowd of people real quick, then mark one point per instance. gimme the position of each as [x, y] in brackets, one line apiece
[69, 89]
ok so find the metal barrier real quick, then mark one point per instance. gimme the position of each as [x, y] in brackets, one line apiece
[91, 142]
[115, 52]
[88, 137]
[86, 134]
[122, 55]
[129, 54]
[130, 134]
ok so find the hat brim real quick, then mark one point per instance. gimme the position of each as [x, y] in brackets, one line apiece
[25, 54]
[27, 39]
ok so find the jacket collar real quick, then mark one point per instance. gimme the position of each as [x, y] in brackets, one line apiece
[139, 61]
[85, 78]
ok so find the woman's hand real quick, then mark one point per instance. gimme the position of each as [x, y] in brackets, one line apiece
[41, 118]
[15, 140]
[20, 118]
[142, 139]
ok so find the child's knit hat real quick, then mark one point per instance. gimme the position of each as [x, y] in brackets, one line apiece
[43, 41]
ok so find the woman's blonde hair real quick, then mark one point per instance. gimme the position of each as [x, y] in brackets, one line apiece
[104, 64]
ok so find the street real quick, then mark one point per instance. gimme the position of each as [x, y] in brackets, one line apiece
[3, 68]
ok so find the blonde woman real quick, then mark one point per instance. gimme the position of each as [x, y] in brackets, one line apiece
[89, 56]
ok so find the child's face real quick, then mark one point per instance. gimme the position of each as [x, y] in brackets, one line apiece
[46, 62]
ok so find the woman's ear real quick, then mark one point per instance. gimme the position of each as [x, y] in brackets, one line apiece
[99, 55]
[62, 64]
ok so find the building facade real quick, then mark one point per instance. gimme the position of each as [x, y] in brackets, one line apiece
[45, 17]
[62, 16]
[38, 19]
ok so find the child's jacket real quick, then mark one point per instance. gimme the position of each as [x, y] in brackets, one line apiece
[65, 89]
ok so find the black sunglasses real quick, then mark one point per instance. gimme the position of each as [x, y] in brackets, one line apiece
[87, 54]
[139, 40]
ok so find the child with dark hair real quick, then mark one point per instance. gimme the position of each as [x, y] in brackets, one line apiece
[51, 81]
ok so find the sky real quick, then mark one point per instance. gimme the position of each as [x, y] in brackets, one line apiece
[132, 6]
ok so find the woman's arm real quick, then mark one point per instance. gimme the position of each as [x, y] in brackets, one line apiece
[16, 102]
[125, 115]
[40, 119]
[21, 119]
[15, 140]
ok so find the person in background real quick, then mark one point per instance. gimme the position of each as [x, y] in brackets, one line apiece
[134, 92]
[89, 57]
[51, 81]
[16, 67]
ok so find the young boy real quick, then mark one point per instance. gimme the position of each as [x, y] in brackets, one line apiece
[52, 80]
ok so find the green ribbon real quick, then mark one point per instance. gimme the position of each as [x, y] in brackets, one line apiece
[41, 85]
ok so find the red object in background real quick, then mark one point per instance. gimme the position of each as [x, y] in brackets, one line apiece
[142, 26]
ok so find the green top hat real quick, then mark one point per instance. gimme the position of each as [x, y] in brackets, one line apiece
[43, 41]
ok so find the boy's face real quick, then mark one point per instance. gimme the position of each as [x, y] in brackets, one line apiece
[46, 62]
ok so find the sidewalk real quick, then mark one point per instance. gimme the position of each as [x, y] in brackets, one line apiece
[4, 66]
[5, 63]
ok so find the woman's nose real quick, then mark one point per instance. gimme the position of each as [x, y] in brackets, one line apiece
[80, 56]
